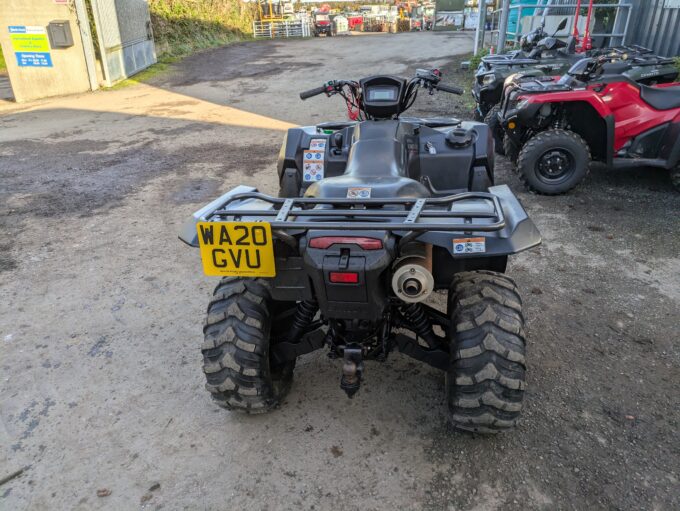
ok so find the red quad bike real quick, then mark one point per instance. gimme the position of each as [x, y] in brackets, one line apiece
[555, 127]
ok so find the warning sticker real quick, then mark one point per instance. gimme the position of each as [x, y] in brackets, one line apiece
[358, 192]
[317, 144]
[469, 246]
[312, 171]
[310, 156]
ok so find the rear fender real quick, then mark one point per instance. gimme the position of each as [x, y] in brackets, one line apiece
[189, 235]
[518, 235]
[491, 248]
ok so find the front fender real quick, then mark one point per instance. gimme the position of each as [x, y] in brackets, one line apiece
[573, 96]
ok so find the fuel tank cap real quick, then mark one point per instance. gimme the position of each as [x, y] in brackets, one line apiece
[460, 137]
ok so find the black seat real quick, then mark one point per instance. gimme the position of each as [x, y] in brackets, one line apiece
[661, 98]
[376, 166]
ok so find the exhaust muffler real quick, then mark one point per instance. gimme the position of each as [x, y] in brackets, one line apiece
[412, 279]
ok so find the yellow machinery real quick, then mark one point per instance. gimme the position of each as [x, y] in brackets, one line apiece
[275, 10]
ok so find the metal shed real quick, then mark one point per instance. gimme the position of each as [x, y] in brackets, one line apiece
[656, 26]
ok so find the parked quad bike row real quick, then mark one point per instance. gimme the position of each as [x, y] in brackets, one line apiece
[377, 213]
[553, 128]
[553, 111]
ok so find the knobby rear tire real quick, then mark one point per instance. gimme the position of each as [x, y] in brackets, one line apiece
[485, 382]
[236, 348]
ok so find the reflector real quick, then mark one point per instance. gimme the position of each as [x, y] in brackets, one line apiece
[364, 243]
[343, 278]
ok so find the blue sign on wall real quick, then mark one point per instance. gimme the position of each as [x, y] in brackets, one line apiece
[33, 59]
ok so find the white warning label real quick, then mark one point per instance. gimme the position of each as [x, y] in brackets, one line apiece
[317, 144]
[469, 246]
[312, 171]
[313, 156]
[358, 192]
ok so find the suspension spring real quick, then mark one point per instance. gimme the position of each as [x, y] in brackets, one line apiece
[306, 310]
[420, 323]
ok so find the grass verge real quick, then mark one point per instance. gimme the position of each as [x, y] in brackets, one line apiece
[182, 28]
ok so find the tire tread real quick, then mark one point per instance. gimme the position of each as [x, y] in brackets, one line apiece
[534, 142]
[486, 381]
[236, 348]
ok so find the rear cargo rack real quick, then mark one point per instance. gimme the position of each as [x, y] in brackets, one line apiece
[418, 215]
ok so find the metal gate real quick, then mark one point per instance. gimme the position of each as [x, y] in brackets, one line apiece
[281, 29]
[125, 37]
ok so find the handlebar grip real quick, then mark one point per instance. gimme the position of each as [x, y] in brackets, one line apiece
[450, 88]
[312, 92]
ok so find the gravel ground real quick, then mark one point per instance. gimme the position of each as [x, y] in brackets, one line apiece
[101, 310]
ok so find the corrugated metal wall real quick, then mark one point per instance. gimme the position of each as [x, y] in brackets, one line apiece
[125, 38]
[656, 24]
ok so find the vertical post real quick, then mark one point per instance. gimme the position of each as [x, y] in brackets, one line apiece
[503, 26]
[621, 26]
[88, 43]
[481, 23]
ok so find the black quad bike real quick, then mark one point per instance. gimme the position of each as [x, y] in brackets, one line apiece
[555, 127]
[375, 215]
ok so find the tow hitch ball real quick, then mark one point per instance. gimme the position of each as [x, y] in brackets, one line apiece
[352, 369]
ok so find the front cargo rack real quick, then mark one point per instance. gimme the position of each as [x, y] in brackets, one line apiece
[418, 215]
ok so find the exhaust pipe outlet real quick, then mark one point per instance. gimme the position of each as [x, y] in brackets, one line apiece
[412, 280]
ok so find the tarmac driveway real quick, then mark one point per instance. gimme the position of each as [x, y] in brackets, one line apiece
[101, 310]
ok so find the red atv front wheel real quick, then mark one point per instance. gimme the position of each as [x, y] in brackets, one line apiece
[553, 162]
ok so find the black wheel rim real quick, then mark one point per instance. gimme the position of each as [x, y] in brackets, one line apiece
[555, 166]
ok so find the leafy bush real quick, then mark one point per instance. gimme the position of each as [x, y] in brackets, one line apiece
[183, 26]
[476, 59]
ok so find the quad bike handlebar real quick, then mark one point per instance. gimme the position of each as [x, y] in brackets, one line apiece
[428, 78]
[329, 88]
[451, 89]
[312, 92]
[354, 92]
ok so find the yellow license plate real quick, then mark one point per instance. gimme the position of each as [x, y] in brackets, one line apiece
[241, 249]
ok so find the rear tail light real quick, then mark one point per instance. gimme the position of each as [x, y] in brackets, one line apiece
[338, 277]
[328, 241]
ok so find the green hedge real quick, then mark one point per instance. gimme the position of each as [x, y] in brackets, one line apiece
[183, 26]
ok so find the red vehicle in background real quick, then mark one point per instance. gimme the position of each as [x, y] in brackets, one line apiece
[322, 24]
[555, 127]
[322, 21]
[355, 21]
